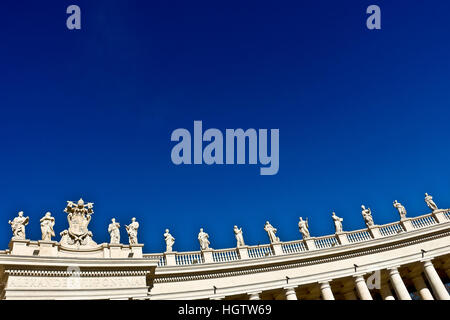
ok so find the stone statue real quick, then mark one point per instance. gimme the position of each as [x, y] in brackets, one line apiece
[367, 215]
[239, 236]
[47, 224]
[78, 216]
[114, 231]
[401, 209]
[303, 228]
[337, 222]
[18, 226]
[169, 241]
[271, 231]
[430, 203]
[132, 231]
[203, 239]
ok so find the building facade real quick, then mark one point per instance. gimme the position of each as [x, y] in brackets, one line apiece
[404, 260]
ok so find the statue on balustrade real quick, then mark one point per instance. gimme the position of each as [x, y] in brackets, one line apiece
[47, 224]
[203, 240]
[239, 236]
[132, 230]
[401, 209]
[337, 223]
[78, 216]
[114, 231]
[430, 203]
[271, 231]
[18, 226]
[303, 228]
[169, 241]
[367, 215]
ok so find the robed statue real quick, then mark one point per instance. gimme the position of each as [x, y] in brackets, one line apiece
[18, 226]
[47, 224]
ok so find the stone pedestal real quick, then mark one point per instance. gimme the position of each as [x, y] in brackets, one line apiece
[115, 250]
[48, 248]
[406, 224]
[19, 247]
[375, 232]
[440, 216]
[243, 252]
[208, 255]
[310, 244]
[277, 249]
[170, 258]
[136, 249]
[342, 238]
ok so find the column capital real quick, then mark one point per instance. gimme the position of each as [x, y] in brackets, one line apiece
[359, 277]
[289, 288]
[325, 283]
[393, 270]
[254, 292]
[427, 262]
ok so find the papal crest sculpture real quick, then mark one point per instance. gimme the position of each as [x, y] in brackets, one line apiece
[78, 216]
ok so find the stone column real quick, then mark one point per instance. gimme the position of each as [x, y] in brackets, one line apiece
[325, 290]
[361, 288]
[436, 284]
[421, 287]
[350, 295]
[290, 293]
[397, 283]
[254, 295]
[386, 292]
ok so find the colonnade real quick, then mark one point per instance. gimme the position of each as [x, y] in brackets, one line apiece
[424, 279]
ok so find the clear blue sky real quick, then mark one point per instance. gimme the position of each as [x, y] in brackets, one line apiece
[363, 115]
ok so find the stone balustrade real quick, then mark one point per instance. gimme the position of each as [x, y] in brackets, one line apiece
[299, 246]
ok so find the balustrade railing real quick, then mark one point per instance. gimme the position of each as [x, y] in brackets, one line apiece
[391, 229]
[296, 246]
[260, 251]
[358, 236]
[423, 221]
[447, 215]
[188, 258]
[326, 242]
[161, 258]
[225, 255]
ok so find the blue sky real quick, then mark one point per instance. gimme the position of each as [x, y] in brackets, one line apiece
[363, 115]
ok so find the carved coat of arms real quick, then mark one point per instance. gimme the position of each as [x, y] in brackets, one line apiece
[78, 216]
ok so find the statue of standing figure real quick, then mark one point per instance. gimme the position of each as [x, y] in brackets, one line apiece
[303, 228]
[47, 224]
[367, 215]
[337, 223]
[271, 231]
[203, 240]
[430, 203]
[169, 241]
[239, 236]
[18, 226]
[132, 229]
[400, 208]
[114, 231]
